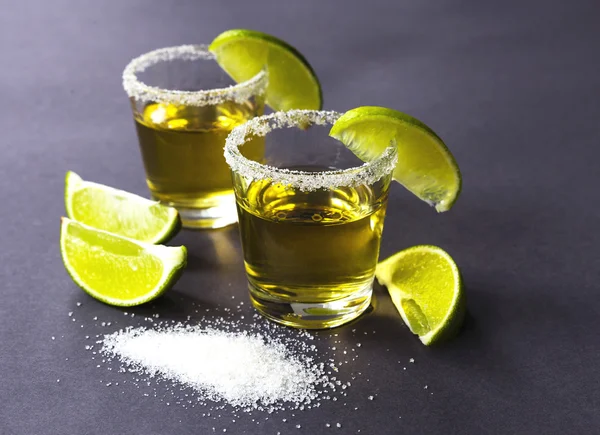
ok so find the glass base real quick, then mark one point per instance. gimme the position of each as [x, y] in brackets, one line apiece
[203, 213]
[318, 315]
[207, 218]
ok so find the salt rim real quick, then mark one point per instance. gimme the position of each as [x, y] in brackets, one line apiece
[140, 91]
[367, 173]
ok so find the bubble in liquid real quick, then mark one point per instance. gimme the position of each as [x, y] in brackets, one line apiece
[317, 217]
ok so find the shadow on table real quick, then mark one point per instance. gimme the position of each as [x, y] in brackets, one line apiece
[490, 316]
[212, 250]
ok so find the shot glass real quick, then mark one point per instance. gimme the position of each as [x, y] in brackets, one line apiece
[184, 106]
[310, 216]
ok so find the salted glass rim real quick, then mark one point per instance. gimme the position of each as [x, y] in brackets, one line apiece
[365, 174]
[140, 91]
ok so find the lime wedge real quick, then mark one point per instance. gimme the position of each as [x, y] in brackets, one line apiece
[426, 287]
[425, 166]
[117, 270]
[292, 81]
[119, 212]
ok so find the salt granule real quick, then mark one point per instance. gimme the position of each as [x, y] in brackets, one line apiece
[248, 370]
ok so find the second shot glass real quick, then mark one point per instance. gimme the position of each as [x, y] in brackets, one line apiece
[184, 106]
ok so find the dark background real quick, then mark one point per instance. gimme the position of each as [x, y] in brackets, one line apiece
[511, 86]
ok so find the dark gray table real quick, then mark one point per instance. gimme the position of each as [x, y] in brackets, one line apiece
[512, 87]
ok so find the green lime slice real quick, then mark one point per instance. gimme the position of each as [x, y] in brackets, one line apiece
[119, 212]
[426, 287]
[292, 81]
[117, 270]
[425, 165]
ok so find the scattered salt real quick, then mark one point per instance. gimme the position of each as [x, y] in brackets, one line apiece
[249, 370]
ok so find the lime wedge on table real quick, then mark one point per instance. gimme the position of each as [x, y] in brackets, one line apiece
[292, 81]
[426, 287]
[425, 165]
[117, 270]
[118, 211]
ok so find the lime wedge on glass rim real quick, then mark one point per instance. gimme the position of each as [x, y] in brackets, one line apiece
[292, 82]
[119, 212]
[425, 165]
[117, 270]
[426, 287]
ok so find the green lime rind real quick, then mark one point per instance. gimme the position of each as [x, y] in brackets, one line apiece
[117, 270]
[118, 211]
[425, 165]
[426, 288]
[292, 82]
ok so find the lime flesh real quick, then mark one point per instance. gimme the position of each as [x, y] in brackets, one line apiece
[425, 165]
[425, 285]
[292, 83]
[119, 212]
[117, 270]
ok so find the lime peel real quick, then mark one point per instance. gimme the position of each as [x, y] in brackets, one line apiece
[426, 288]
[292, 82]
[118, 211]
[425, 165]
[117, 270]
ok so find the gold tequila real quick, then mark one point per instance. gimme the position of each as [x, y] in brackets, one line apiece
[182, 150]
[184, 106]
[310, 249]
